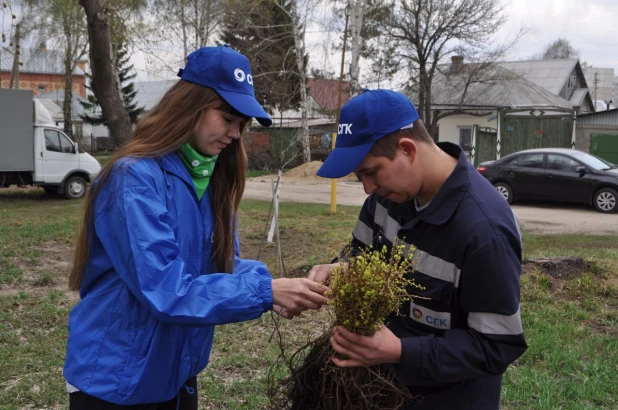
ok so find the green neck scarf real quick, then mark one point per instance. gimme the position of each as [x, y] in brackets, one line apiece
[200, 167]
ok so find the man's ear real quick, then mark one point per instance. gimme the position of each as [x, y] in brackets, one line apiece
[408, 147]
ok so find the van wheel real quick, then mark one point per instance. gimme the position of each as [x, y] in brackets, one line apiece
[75, 188]
[606, 200]
[505, 190]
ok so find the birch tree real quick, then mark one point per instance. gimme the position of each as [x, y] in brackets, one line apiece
[7, 28]
[299, 43]
[61, 22]
[356, 11]
[192, 23]
[362, 37]
[73, 22]
[15, 25]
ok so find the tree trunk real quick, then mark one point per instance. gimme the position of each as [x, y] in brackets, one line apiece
[68, 85]
[68, 93]
[14, 79]
[356, 12]
[184, 24]
[300, 52]
[104, 79]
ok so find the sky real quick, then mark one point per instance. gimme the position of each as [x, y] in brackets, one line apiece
[591, 26]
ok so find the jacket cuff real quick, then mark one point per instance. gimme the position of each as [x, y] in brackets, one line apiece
[411, 360]
[266, 291]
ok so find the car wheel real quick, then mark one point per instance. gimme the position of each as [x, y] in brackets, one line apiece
[606, 200]
[75, 188]
[505, 190]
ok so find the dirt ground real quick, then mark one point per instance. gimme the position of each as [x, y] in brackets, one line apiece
[540, 218]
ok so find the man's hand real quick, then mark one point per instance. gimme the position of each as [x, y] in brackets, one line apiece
[362, 351]
[321, 273]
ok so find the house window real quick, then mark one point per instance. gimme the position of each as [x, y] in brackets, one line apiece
[79, 131]
[465, 138]
[572, 84]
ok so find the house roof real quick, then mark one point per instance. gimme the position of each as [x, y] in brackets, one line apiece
[500, 88]
[149, 93]
[579, 95]
[325, 92]
[36, 60]
[607, 117]
[549, 74]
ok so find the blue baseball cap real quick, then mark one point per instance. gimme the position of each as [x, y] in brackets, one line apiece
[227, 72]
[365, 119]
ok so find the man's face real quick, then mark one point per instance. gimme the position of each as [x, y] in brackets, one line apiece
[393, 179]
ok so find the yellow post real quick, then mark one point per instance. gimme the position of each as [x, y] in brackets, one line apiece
[333, 185]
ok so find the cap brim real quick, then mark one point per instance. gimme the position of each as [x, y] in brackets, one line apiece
[343, 160]
[246, 105]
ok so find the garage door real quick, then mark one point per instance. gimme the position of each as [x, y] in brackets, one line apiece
[604, 146]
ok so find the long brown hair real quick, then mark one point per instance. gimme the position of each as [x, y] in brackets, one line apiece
[163, 130]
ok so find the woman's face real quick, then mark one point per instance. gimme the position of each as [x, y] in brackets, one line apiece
[216, 131]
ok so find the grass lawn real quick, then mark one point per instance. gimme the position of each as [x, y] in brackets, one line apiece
[571, 321]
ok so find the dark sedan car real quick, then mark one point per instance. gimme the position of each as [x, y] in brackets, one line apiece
[555, 174]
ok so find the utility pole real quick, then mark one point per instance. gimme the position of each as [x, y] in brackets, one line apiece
[15, 70]
[596, 82]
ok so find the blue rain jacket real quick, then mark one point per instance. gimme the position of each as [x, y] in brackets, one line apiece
[150, 296]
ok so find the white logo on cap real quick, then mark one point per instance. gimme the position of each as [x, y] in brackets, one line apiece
[239, 75]
[344, 129]
[250, 79]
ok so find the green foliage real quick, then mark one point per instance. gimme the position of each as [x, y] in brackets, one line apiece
[263, 32]
[127, 91]
[372, 286]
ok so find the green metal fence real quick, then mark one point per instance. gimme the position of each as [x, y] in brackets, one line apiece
[532, 132]
[485, 146]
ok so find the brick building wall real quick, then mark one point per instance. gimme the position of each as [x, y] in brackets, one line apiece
[256, 141]
[50, 82]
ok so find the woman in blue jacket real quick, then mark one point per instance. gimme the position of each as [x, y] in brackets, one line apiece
[157, 262]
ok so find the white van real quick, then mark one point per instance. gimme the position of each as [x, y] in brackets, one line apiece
[33, 151]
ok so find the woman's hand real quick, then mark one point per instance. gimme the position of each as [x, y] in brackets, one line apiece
[291, 297]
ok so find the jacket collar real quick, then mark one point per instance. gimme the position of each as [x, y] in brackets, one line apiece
[446, 201]
[173, 164]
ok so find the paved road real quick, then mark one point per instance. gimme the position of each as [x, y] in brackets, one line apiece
[542, 218]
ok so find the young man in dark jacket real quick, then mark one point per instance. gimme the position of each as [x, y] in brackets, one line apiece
[452, 345]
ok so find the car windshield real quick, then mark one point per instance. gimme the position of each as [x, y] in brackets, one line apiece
[592, 161]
